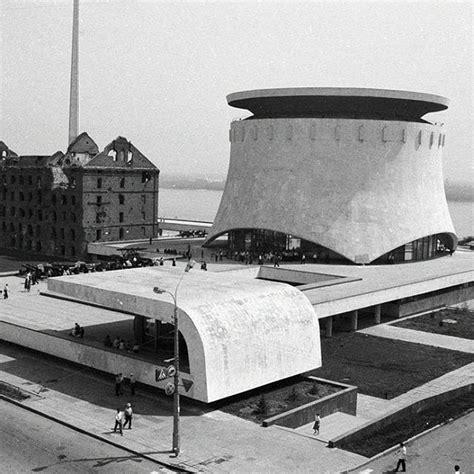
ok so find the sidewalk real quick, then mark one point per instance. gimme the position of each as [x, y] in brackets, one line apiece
[210, 442]
[421, 337]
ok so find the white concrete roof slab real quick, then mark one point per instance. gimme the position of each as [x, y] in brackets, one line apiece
[241, 332]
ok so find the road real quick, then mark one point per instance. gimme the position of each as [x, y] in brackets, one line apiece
[436, 452]
[30, 442]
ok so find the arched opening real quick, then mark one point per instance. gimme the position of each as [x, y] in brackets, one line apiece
[158, 336]
[425, 248]
[258, 244]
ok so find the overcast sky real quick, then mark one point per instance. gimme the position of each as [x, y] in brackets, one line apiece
[158, 72]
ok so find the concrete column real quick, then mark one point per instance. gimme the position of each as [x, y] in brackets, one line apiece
[329, 327]
[354, 319]
[377, 313]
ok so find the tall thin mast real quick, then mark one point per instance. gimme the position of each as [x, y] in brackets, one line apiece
[74, 93]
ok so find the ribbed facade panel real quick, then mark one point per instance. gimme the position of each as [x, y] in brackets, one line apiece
[358, 187]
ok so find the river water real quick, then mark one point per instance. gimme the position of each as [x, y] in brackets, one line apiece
[202, 204]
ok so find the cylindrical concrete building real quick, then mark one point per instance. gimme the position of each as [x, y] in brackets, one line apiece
[349, 175]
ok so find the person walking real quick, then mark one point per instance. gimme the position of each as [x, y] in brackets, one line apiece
[119, 422]
[133, 383]
[118, 384]
[5, 292]
[402, 456]
[317, 424]
[128, 416]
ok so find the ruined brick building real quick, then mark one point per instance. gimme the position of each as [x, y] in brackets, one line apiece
[55, 205]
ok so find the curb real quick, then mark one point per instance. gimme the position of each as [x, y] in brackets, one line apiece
[12, 273]
[409, 440]
[177, 467]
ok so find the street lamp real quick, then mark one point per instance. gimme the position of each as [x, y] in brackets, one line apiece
[160, 291]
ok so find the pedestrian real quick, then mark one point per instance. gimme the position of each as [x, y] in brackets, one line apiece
[5, 292]
[128, 416]
[133, 383]
[28, 281]
[107, 341]
[118, 421]
[303, 259]
[118, 384]
[457, 469]
[402, 456]
[317, 424]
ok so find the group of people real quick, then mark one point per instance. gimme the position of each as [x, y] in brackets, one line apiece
[123, 418]
[119, 381]
[121, 344]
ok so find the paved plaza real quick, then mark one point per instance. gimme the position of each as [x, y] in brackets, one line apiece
[212, 441]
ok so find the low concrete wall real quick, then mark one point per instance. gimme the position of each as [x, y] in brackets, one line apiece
[94, 357]
[345, 400]
[369, 429]
[424, 303]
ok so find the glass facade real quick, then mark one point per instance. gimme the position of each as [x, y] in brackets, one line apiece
[255, 242]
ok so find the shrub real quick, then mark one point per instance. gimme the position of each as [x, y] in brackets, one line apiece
[262, 406]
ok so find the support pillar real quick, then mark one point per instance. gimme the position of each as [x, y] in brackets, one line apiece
[354, 320]
[139, 329]
[329, 327]
[377, 313]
